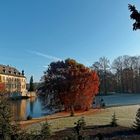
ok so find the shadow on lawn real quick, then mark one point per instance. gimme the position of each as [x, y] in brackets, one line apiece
[103, 132]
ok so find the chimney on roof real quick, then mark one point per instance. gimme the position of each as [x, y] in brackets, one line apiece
[23, 72]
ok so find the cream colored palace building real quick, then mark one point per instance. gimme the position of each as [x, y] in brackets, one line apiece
[14, 80]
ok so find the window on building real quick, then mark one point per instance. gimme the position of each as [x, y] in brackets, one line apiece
[4, 78]
[4, 71]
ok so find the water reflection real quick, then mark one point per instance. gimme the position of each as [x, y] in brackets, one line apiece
[32, 102]
[19, 109]
[36, 107]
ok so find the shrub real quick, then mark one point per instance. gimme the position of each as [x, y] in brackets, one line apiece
[80, 125]
[70, 137]
[102, 103]
[99, 136]
[29, 117]
[45, 132]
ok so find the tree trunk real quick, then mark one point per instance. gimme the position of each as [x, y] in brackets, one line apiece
[105, 83]
[71, 110]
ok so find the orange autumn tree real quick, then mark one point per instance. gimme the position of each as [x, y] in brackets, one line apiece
[71, 85]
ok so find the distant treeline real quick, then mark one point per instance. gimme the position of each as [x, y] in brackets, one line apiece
[123, 75]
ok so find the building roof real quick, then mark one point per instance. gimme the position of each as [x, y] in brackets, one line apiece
[8, 70]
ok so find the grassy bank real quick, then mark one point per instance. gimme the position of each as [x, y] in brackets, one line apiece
[62, 120]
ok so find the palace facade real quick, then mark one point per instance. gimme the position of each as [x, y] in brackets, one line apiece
[12, 79]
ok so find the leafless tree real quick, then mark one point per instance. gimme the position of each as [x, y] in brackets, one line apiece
[102, 67]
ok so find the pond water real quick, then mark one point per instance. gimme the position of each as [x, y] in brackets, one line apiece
[120, 99]
[32, 106]
[35, 106]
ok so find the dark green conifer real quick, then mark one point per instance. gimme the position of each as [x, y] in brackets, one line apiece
[31, 86]
[136, 124]
[9, 130]
[114, 120]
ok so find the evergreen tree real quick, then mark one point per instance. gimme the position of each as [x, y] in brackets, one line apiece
[114, 120]
[31, 88]
[137, 120]
[5, 119]
[9, 130]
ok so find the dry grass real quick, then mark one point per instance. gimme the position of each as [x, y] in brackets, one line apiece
[60, 121]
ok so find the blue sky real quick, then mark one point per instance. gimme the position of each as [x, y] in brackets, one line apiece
[34, 33]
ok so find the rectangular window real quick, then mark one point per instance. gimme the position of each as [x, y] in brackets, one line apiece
[4, 78]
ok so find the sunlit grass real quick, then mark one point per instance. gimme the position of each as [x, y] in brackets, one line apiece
[124, 114]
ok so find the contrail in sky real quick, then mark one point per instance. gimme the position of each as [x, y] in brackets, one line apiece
[45, 56]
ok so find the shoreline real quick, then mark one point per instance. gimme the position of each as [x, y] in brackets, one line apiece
[59, 115]
[134, 104]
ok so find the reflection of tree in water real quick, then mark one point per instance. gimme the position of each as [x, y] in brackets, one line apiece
[45, 106]
[43, 102]
[32, 101]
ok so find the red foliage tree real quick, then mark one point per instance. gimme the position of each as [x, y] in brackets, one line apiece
[71, 84]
